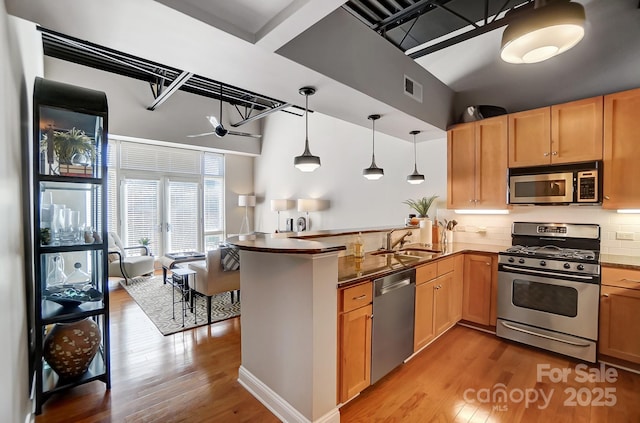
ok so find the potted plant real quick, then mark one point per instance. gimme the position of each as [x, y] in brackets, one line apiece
[421, 205]
[67, 144]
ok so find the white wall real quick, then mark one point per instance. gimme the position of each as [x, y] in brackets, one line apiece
[344, 150]
[20, 62]
[354, 202]
[238, 180]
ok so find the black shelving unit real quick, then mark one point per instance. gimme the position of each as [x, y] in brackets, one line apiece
[68, 199]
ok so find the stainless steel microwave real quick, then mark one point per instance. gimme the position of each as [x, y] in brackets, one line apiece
[562, 184]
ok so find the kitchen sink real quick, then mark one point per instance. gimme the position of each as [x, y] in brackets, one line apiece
[400, 255]
[414, 250]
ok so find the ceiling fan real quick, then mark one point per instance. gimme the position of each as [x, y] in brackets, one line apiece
[220, 130]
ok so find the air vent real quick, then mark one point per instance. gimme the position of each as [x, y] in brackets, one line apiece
[413, 89]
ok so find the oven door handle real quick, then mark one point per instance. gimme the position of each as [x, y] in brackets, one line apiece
[545, 273]
[528, 332]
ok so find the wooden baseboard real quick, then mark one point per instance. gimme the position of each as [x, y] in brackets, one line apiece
[478, 326]
[619, 363]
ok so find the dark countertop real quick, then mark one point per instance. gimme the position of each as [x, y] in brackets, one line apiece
[272, 243]
[622, 262]
[339, 232]
[352, 270]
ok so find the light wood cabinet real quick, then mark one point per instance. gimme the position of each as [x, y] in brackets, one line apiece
[576, 131]
[479, 281]
[424, 329]
[457, 288]
[620, 314]
[435, 310]
[621, 150]
[563, 133]
[442, 313]
[477, 164]
[354, 340]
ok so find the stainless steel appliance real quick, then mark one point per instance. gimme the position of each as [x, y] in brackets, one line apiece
[392, 331]
[549, 287]
[564, 184]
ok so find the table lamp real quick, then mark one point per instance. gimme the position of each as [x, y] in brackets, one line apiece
[278, 206]
[308, 205]
[246, 201]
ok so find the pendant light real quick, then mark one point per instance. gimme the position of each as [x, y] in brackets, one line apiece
[307, 162]
[415, 178]
[373, 172]
[551, 28]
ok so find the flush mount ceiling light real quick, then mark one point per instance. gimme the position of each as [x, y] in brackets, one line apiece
[307, 162]
[415, 178]
[373, 172]
[551, 28]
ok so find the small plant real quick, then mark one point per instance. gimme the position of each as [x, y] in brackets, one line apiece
[67, 144]
[144, 241]
[421, 205]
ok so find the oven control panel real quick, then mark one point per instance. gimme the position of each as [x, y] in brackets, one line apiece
[552, 229]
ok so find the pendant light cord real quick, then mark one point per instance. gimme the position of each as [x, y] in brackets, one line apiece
[373, 142]
[306, 123]
[415, 153]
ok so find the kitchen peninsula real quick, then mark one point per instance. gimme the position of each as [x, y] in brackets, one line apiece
[289, 318]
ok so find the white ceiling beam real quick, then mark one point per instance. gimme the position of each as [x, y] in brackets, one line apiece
[292, 21]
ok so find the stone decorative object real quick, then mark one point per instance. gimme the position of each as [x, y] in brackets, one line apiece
[69, 348]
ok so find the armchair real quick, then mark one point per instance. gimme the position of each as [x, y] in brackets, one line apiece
[127, 267]
[211, 279]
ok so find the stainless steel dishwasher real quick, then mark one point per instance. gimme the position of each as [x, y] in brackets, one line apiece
[393, 317]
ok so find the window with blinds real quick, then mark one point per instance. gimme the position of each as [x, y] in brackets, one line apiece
[173, 196]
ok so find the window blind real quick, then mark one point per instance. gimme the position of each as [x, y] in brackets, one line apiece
[183, 216]
[141, 211]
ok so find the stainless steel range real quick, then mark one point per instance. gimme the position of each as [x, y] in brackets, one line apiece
[549, 287]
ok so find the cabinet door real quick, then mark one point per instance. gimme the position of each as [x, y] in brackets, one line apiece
[576, 131]
[621, 150]
[491, 163]
[457, 288]
[461, 166]
[423, 331]
[355, 351]
[619, 323]
[530, 137]
[442, 313]
[477, 280]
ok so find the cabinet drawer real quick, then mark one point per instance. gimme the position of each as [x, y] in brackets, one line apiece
[445, 266]
[625, 278]
[426, 272]
[355, 297]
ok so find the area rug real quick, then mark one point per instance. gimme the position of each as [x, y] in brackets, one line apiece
[155, 299]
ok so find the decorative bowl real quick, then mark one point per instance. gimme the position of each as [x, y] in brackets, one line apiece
[71, 296]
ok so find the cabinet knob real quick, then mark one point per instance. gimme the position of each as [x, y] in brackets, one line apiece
[471, 201]
[546, 154]
[606, 197]
[605, 295]
[555, 153]
[361, 297]
[488, 264]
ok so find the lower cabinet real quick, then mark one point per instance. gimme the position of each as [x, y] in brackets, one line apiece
[354, 340]
[437, 299]
[479, 289]
[620, 314]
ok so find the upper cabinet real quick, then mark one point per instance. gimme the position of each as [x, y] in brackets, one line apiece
[564, 133]
[477, 164]
[621, 150]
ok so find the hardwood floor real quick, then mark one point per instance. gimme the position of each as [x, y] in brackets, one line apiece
[186, 377]
[191, 377]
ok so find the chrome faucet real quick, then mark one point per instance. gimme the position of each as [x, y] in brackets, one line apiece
[401, 240]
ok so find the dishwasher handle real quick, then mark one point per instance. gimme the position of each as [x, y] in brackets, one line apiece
[385, 289]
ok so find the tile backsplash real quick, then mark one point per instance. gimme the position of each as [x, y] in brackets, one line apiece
[496, 229]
